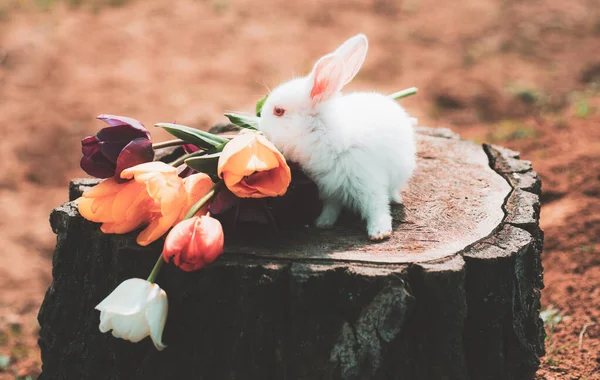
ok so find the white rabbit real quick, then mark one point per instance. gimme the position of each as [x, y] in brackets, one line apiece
[359, 148]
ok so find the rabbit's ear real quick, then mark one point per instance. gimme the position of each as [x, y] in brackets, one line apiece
[327, 78]
[353, 53]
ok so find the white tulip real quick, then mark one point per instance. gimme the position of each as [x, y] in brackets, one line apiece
[134, 310]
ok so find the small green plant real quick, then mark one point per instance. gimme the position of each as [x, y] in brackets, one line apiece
[551, 317]
[583, 108]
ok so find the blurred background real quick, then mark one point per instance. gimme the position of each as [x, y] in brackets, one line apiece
[523, 74]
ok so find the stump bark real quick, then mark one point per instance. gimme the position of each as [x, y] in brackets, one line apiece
[454, 294]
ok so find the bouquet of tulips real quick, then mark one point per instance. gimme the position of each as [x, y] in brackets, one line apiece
[170, 198]
[176, 199]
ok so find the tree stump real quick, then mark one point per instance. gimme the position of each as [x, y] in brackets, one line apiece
[453, 294]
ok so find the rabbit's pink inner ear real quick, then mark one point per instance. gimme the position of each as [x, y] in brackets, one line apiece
[327, 78]
[354, 62]
[353, 53]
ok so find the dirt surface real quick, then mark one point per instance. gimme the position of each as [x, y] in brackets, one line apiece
[525, 75]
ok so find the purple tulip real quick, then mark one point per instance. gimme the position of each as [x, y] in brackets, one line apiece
[121, 145]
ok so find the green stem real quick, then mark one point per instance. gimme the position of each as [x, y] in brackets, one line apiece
[404, 93]
[168, 143]
[156, 269]
[181, 160]
[195, 208]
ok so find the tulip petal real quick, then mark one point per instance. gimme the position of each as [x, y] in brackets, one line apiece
[121, 227]
[95, 209]
[103, 189]
[236, 184]
[142, 207]
[111, 150]
[105, 321]
[157, 228]
[147, 167]
[84, 205]
[115, 121]
[210, 232]
[267, 182]
[233, 147]
[125, 199]
[120, 134]
[272, 183]
[89, 145]
[254, 159]
[126, 326]
[97, 166]
[96, 203]
[127, 299]
[178, 238]
[138, 328]
[156, 315]
[196, 186]
[136, 152]
[166, 191]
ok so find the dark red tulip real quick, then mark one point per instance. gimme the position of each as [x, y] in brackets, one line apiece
[121, 145]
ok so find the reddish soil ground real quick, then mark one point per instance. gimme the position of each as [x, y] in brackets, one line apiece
[525, 75]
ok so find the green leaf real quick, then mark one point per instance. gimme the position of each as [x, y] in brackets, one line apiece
[244, 121]
[260, 104]
[205, 164]
[404, 93]
[194, 136]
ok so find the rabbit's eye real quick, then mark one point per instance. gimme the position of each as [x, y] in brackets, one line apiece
[278, 111]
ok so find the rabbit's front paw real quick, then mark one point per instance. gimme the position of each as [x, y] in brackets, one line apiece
[329, 214]
[380, 228]
[396, 198]
[326, 220]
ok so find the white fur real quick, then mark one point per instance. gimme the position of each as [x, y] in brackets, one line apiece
[359, 148]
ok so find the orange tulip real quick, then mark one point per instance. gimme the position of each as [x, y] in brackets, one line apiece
[196, 186]
[252, 167]
[156, 196]
[194, 242]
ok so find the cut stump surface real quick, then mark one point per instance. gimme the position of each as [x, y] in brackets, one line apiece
[453, 294]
